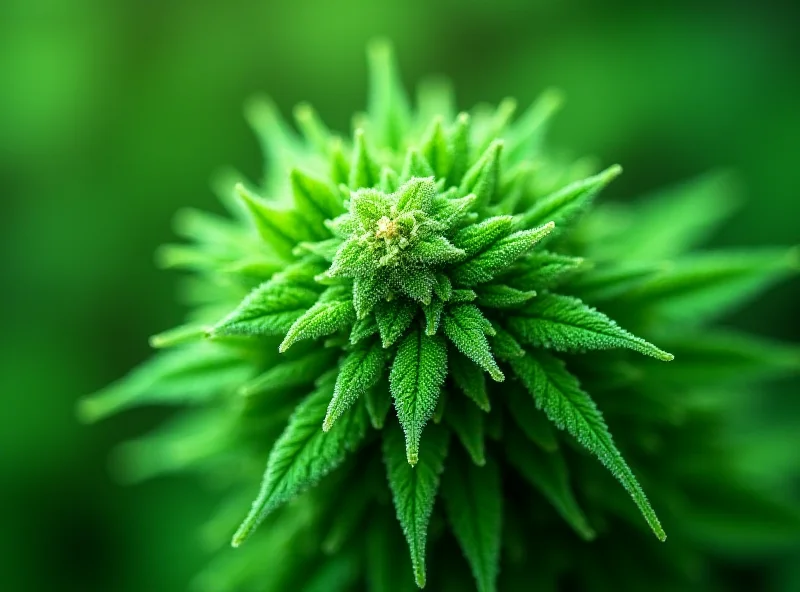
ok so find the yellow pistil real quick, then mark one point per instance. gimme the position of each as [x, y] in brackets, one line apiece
[387, 228]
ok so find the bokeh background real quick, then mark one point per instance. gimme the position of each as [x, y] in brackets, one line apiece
[114, 113]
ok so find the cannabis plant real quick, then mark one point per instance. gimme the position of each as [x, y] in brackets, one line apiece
[428, 324]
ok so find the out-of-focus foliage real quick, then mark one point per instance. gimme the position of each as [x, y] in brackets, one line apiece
[113, 113]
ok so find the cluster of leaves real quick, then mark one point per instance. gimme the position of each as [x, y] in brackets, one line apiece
[415, 268]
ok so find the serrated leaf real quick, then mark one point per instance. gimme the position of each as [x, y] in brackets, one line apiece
[314, 199]
[657, 227]
[435, 251]
[363, 328]
[303, 455]
[526, 136]
[460, 296]
[558, 394]
[388, 104]
[707, 285]
[502, 296]
[451, 211]
[416, 194]
[281, 229]
[474, 503]
[190, 374]
[378, 400]
[364, 170]
[564, 204]
[368, 291]
[368, 206]
[465, 326]
[360, 370]
[433, 315]
[351, 259]
[532, 421]
[436, 149]
[486, 265]
[470, 379]
[476, 238]
[414, 488]
[393, 318]
[332, 312]
[417, 375]
[538, 271]
[270, 309]
[460, 142]
[416, 282]
[482, 178]
[565, 323]
[466, 420]
[547, 472]
[710, 356]
[504, 345]
[415, 165]
[291, 373]
[311, 126]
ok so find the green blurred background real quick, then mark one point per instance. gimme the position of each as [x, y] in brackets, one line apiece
[114, 113]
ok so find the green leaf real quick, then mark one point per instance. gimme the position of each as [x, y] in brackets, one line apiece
[476, 238]
[436, 149]
[712, 356]
[504, 345]
[470, 379]
[467, 422]
[281, 229]
[414, 488]
[189, 374]
[303, 455]
[565, 323]
[364, 170]
[564, 204]
[531, 420]
[658, 227]
[451, 211]
[368, 291]
[433, 315]
[482, 177]
[435, 250]
[474, 503]
[290, 374]
[368, 206]
[332, 312]
[527, 135]
[417, 375]
[378, 400]
[465, 326]
[486, 265]
[393, 318]
[461, 148]
[314, 199]
[363, 328]
[415, 165]
[416, 194]
[538, 271]
[270, 309]
[315, 132]
[416, 282]
[359, 371]
[707, 285]
[558, 394]
[502, 296]
[547, 472]
[388, 104]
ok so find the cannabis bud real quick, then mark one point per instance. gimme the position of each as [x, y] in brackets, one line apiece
[357, 316]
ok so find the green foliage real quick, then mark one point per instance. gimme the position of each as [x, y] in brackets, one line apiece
[398, 269]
